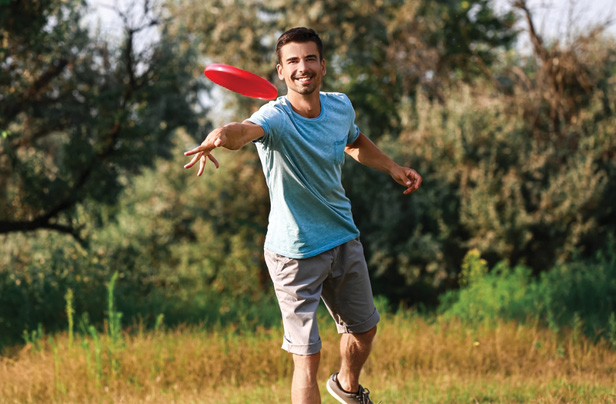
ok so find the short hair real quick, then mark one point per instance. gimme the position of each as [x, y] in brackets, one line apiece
[301, 35]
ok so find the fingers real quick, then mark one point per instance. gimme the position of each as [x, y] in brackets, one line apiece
[203, 148]
[412, 181]
[193, 161]
[196, 150]
[202, 159]
[202, 152]
[211, 157]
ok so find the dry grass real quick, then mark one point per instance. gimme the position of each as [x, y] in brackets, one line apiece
[412, 362]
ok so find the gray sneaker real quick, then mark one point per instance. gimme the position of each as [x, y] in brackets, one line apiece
[334, 388]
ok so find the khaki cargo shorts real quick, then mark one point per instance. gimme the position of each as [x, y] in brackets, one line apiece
[339, 277]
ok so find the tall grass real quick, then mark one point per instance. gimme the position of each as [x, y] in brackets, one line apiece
[414, 361]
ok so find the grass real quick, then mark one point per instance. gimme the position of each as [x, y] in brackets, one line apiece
[413, 361]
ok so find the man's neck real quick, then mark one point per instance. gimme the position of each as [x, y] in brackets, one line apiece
[308, 106]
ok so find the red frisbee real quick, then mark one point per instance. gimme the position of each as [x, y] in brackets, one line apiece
[241, 81]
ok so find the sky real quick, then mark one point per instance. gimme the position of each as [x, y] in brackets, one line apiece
[562, 19]
[553, 18]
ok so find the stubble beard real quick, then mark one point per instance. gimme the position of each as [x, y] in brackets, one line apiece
[305, 90]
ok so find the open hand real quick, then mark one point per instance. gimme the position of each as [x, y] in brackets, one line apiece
[202, 153]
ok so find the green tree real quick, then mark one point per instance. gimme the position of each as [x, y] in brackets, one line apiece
[79, 114]
[382, 54]
[377, 52]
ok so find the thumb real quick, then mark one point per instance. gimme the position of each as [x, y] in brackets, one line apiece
[218, 142]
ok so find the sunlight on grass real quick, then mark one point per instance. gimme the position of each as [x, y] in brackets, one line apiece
[413, 361]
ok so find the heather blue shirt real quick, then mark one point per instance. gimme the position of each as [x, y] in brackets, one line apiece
[302, 160]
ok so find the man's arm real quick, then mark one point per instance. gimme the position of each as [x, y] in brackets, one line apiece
[367, 153]
[231, 136]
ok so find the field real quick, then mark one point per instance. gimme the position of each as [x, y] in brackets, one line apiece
[416, 359]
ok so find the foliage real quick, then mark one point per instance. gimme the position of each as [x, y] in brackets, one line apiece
[376, 52]
[33, 298]
[78, 112]
[189, 251]
[579, 296]
[517, 155]
[489, 182]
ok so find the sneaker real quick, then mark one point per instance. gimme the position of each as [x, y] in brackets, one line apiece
[334, 388]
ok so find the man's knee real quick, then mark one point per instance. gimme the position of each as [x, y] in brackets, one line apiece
[367, 336]
[308, 362]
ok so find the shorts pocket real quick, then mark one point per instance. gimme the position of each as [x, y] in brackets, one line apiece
[276, 262]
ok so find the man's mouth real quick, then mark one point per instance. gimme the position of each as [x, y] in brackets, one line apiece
[303, 79]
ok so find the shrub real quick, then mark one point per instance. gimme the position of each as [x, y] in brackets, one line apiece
[563, 297]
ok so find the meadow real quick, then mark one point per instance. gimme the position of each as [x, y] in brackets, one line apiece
[517, 152]
[416, 359]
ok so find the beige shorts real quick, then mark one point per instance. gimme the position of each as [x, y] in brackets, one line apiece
[339, 277]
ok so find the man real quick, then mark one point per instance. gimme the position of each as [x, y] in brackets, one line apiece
[312, 248]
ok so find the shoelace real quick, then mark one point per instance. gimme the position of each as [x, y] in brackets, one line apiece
[363, 395]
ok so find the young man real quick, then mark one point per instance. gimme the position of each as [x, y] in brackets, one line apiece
[312, 248]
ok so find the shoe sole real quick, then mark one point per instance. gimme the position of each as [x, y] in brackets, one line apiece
[333, 394]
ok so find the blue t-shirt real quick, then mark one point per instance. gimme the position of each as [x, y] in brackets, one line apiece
[302, 160]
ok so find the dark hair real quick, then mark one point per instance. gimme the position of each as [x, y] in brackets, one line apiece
[299, 34]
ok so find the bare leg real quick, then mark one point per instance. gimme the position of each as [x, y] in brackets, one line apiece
[305, 388]
[354, 351]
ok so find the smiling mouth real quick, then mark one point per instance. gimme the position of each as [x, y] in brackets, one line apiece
[303, 79]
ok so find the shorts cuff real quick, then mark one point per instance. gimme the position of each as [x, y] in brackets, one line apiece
[309, 349]
[367, 325]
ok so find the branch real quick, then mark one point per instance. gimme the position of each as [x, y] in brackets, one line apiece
[35, 89]
[39, 134]
[74, 195]
[534, 37]
[9, 227]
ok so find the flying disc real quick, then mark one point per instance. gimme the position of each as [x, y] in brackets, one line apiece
[241, 81]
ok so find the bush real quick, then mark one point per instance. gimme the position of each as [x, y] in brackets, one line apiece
[563, 297]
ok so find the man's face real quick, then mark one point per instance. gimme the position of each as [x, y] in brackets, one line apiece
[301, 67]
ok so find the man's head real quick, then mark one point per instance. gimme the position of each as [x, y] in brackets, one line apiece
[299, 35]
[300, 61]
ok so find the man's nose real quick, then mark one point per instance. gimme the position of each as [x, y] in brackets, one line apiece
[301, 66]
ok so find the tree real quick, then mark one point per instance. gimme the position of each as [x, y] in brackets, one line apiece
[381, 54]
[377, 52]
[79, 115]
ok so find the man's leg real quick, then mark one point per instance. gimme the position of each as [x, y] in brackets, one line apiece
[354, 351]
[305, 388]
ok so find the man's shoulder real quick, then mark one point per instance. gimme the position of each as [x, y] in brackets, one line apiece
[272, 109]
[336, 97]
[277, 104]
[339, 103]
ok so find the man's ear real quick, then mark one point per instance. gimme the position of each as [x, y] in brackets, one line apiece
[279, 70]
[323, 70]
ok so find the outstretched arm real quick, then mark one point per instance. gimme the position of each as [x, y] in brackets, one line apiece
[231, 136]
[367, 153]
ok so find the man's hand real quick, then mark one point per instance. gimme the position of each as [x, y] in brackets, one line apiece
[367, 153]
[407, 177]
[232, 136]
[202, 153]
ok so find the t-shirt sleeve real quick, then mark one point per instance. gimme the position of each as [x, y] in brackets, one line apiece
[353, 133]
[270, 118]
[353, 128]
